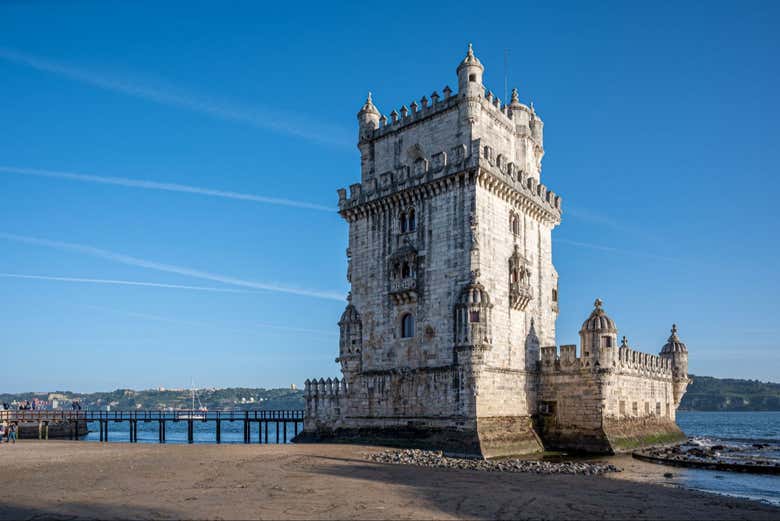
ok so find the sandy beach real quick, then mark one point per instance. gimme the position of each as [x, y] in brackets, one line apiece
[76, 480]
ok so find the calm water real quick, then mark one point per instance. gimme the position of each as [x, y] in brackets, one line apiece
[204, 432]
[740, 429]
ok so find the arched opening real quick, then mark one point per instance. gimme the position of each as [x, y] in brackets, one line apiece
[472, 77]
[406, 271]
[407, 326]
[410, 222]
[404, 222]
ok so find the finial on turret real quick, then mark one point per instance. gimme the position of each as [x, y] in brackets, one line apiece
[368, 107]
[470, 60]
[673, 337]
[515, 97]
[598, 303]
[624, 342]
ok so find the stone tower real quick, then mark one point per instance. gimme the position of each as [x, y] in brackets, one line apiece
[450, 264]
[448, 338]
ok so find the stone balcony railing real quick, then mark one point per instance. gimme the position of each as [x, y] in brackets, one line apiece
[403, 291]
[520, 295]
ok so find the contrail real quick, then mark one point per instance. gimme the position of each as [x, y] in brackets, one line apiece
[159, 318]
[615, 250]
[123, 283]
[169, 187]
[293, 125]
[169, 268]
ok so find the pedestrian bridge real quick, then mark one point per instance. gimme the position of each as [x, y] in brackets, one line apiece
[280, 420]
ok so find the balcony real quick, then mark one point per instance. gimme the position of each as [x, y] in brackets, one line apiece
[520, 295]
[403, 291]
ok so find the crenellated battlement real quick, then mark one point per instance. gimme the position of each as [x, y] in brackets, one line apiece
[404, 117]
[517, 117]
[494, 172]
[324, 397]
[623, 359]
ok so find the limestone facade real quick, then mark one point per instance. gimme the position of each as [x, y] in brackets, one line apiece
[454, 294]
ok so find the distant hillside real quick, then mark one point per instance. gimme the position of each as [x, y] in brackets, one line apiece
[704, 394]
[126, 399]
[726, 394]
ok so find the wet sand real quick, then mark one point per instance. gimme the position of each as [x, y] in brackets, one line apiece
[67, 480]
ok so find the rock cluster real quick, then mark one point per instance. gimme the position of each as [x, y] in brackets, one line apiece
[695, 453]
[427, 458]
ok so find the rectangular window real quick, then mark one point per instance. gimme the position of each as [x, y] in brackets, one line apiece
[473, 316]
[607, 341]
[622, 408]
[547, 407]
[658, 408]
[647, 408]
[635, 409]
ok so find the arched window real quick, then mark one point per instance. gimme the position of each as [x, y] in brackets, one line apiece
[406, 271]
[404, 222]
[411, 224]
[407, 326]
[555, 294]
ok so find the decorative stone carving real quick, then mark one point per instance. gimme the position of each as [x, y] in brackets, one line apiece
[472, 318]
[520, 292]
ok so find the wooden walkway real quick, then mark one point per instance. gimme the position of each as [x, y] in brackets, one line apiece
[292, 419]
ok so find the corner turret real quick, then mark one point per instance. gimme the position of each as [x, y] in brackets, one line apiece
[598, 337]
[368, 118]
[676, 351]
[470, 75]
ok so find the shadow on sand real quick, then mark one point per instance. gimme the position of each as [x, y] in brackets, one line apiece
[67, 511]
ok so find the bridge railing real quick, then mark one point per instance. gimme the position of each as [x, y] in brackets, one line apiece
[28, 415]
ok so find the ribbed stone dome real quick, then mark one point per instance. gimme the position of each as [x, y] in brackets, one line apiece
[599, 321]
[674, 344]
[368, 107]
[470, 60]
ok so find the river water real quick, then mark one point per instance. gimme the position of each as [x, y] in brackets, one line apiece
[741, 430]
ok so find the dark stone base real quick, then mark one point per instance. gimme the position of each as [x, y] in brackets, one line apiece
[493, 437]
[613, 436]
[629, 434]
[507, 436]
[452, 441]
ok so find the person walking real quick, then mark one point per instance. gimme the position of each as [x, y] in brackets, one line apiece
[3, 427]
[11, 433]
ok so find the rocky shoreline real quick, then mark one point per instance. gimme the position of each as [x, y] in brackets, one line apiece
[736, 458]
[427, 458]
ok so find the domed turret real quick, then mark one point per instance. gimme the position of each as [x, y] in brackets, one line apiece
[674, 344]
[676, 351]
[598, 336]
[368, 117]
[470, 75]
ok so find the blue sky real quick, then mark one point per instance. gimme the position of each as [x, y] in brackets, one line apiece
[196, 148]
